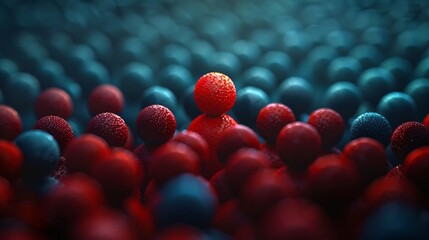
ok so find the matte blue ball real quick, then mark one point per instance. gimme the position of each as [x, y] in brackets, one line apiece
[378, 37]
[367, 55]
[177, 79]
[249, 102]
[343, 97]
[296, 44]
[21, 91]
[91, 75]
[247, 52]
[175, 54]
[398, 108]
[41, 153]
[375, 83]
[418, 89]
[259, 77]
[401, 70]
[341, 40]
[71, 87]
[200, 52]
[158, 95]
[279, 63]
[131, 49]
[134, 80]
[345, 69]
[186, 199]
[298, 94]
[372, 125]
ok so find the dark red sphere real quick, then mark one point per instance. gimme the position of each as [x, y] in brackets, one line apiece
[271, 119]
[110, 127]
[221, 186]
[407, 137]
[6, 195]
[156, 124]
[298, 145]
[329, 124]
[416, 168]
[215, 93]
[11, 160]
[426, 121]
[106, 98]
[194, 141]
[234, 138]
[54, 101]
[10, 123]
[59, 128]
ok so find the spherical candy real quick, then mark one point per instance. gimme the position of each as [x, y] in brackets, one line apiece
[296, 93]
[234, 138]
[41, 153]
[54, 101]
[369, 157]
[48, 72]
[298, 145]
[367, 55]
[372, 125]
[210, 128]
[401, 69]
[21, 91]
[407, 137]
[278, 62]
[416, 166]
[172, 159]
[226, 63]
[176, 54]
[90, 75]
[156, 124]
[375, 83]
[418, 89]
[10, 123]
[176, 78]
[11, 160]
[7, 69]
[250, 101]
[344, 98]
[242, 164]
[398, 108]
[185, 199]
[377, 36]
[135, 79]
[194, 141]
[271, 119]
[160, 96]
[344, 69]
[58, 128]
[220, 185]
[84, 151]
[260, 78]
[329, 124]
[106, 98]
[318, 60]
[422, 70]
[214, 93]
[248, 52]
[110, 127]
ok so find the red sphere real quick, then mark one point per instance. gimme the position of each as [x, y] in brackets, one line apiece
[221, 186]
[6, 195]
[144, 154]
[426, 121]
[369, 157]
[234, 138]
[141, 218]
[298, 145]
[416, 168]
[58, 127]
[215, 93]
[156, 124]
[11, 159]
[110, 127]
[84, 151]
[210, 128]
[329, 124]
[54, 101]
[10, 123]
[171, 160]
[106, 98]
[273, 155]
[271, 119]
[194, 141]
[407, 137]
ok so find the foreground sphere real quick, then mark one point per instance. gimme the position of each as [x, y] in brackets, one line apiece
[372, 125]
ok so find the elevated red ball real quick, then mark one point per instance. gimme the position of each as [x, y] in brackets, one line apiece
[271, 119]
[156, 124]
[106, 98]
[54, 101]
[329, 124]
[59, 128]
[110, 127]
[10, 123]
[407, 137]
[235, 138]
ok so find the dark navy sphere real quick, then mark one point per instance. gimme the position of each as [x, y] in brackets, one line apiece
[249, 102]
[298, 94]
[158, 95]
[375, 83]
[176, 78]
[372, 125]
[134, 80]
[398, 108]
[48, 72]
[418, 89]
[259, 77]
[344, 69]
[21, 91]
[343, 97]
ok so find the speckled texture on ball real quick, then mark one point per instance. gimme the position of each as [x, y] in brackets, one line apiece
[156, 124]
[110, 127]
[407, 137]
[372, 125]
[58, 128]
[329, 124]
[271, 119]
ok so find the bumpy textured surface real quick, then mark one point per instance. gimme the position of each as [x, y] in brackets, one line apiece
[156, 124]
[106, 98]
[271, 119]
[234, 138]
[110, 127]
[372, 125]
[58, 128]
[407, 137]
[215, 93]
[54, 101]
[329, 124]
[10, 123]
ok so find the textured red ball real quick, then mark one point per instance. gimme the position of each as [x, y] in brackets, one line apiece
[329, 124]
[271, 119]
[210, 128]
[298, 145]
[54, 101]
[171, 160]
[369, 157]
[416, 168]
[234, 138]
[106, 98]
[215, 93]
[83, 152]
[11, 159]
[194, 141]
[156, 124]
[407, 137]
[59, 128]
[10, 123]
[110, 127]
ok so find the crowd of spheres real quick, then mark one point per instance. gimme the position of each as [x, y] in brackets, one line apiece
[288, 119]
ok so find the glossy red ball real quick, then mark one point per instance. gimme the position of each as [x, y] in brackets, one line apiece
[329, 124]
[271, 119]
[156, 124]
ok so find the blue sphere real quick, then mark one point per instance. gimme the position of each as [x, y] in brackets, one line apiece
[259, 77]
[134, 80]
[177, 79]
[41, 153]
[158, 95]
[175, 54]
[398, 108]
[422, 70]
[48, 72]
[372, 125]
[368, 55]
[246, 51]
[375, 83]
[7, 69]
[343, 97]
[226, 63]
[298, 94]
[249, 102]
[189, 104]
[186, 199]
[91, 75]
[344, 69]
[279, 63]
[401, 70]
[318, 61]
[418, 89]
[21, 91]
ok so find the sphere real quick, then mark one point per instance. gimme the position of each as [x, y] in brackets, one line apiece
[10, 123]
[278, 62]
[418, 89]
[329, 124]
[105, 98]
[368, 56]
[407, 137]
[345, 69]
[194, 141]
[54, 101]
[271, 119]
[21, 91]
[135, 79]
[11, 160]
[422, 69]
[250, 101]
[214, 93]
[398, 108]
[177, 79]
[260, 78]
[110, 127]
[160, 96]
[235, 138]
[375, 83]
[372, 125]
[298, 94]
[58, 128]
[156, 124]
[401, 70]
[344, 98]
[416, 167]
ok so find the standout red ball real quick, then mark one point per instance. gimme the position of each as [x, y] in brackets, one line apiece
[234, 138]
[156, 124]
[58, 127]
[54, 101]
[106, 98]
[416, 168]
[110, 127]
[329, 124]
[11, 160]
[215, 93]
[407, 137]
[10, 123]
[271, 119]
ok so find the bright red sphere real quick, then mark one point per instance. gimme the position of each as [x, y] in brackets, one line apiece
[11, 159]
[234, 138]
[215, 93]
[110, 127]
[54, 101]
[10, 123]
[407, 137]
[329, 124]
[59, 128]
[156, 124]
[106, 98]
[298, 145]
[271, 119]
[416, 167]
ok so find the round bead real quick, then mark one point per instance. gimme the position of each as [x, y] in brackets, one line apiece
[271, 119]
[106, 98]
[407, 137]
[194, 141]
[58, 128]
[418, 89]
[372, 125]
[298, 94]
[11, 160]
[329, 124]
[234, 138]
[398, 108]
[250, 101]
[21, 91]
[375, 83]
[110, 127]
[344, 98]
[54, 101]
[156, 124]
[416, 166]
[10, 123]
